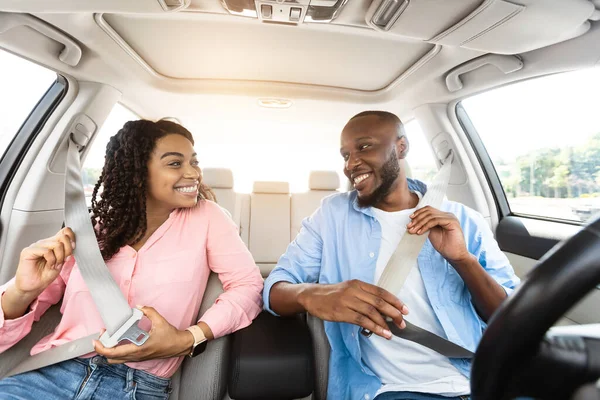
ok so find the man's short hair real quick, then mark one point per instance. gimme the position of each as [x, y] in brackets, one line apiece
[384, 116]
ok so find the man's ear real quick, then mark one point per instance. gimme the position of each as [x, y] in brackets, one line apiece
[402, 147]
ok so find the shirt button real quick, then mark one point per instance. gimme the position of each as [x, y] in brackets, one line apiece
[367, 397]
[371, 254]
[127, 282]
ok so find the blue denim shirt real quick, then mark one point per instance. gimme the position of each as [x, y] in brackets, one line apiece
[341, 241]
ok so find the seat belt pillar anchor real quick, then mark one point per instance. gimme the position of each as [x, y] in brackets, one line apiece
[128, 331]
[445, 155]
[81, 132]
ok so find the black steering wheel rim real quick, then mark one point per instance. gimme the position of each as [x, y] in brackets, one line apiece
[514, 334]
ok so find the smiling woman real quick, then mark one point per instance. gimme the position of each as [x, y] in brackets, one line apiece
[141, 163]
[153, 220]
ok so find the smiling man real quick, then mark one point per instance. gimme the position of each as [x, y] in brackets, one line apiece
[342, 249]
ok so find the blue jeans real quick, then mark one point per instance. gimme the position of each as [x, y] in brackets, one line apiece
[416, 396]
[85, 379]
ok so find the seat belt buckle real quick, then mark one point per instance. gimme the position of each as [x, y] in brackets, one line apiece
[128, 331]
[366, 333]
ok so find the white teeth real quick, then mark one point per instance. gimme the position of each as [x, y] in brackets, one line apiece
[360, 178]
[188, 189]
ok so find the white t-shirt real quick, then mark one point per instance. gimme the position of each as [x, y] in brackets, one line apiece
[402, 365]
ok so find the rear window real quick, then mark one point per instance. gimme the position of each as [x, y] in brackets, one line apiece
[280, 151]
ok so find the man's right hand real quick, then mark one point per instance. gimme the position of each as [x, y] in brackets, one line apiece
[355, 302]
[41, 263]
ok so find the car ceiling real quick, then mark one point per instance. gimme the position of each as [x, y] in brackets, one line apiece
[196, 59]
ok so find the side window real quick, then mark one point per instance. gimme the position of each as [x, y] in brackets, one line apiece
[420, 158]
[94, 161]
[22, 85]
[543, 138]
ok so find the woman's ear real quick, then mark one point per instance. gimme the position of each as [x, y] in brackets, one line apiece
[402, 147]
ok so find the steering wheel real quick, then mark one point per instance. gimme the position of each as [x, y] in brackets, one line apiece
[518, 356]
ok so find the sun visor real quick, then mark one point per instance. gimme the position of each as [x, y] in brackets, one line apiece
[493, 26]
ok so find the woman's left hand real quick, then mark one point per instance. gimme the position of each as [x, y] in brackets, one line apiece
[165, 341]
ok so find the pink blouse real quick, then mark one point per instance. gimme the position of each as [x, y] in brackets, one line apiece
[168, 273]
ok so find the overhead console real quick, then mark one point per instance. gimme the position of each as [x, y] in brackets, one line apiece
[493, 26]
[286, 11]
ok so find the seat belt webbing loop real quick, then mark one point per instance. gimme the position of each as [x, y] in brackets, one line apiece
[119, 318]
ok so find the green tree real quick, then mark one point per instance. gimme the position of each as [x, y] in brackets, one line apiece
[559, 180]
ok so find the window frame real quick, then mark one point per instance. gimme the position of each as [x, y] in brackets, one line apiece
[34, 123]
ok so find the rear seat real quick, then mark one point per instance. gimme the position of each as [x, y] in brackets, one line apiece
[321, 184]
[220, 180]
[269, 218]
[269, 223]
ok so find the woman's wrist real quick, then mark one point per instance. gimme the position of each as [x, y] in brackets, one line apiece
[26, 294]
[16, 302]
[184, 343]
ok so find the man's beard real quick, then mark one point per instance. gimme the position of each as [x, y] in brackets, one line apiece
[388, 173]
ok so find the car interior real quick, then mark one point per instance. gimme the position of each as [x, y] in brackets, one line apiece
[266, 86]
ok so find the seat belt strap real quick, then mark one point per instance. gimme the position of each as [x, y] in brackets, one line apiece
[404, 259]
[425, 338]
[405, 256]
[120, 320]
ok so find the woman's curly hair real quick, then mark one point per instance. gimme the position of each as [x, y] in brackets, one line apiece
[119, 213]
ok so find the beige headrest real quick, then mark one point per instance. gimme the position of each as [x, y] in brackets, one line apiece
[323, 180]
[218, 178]
[271, 187]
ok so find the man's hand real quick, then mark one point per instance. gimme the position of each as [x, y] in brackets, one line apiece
[355, 302]
[445, 233]
[446, 236]
[165, 341]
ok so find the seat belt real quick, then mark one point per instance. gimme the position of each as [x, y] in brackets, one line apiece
[120, 320]
[404, 259]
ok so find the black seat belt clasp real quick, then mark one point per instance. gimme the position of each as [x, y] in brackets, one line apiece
[129, 331]
[367, 333]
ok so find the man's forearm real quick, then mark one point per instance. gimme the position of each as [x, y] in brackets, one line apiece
[487, 294]
[289, 298]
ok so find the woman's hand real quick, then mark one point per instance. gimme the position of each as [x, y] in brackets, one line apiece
[41, 263]
[165, 341]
